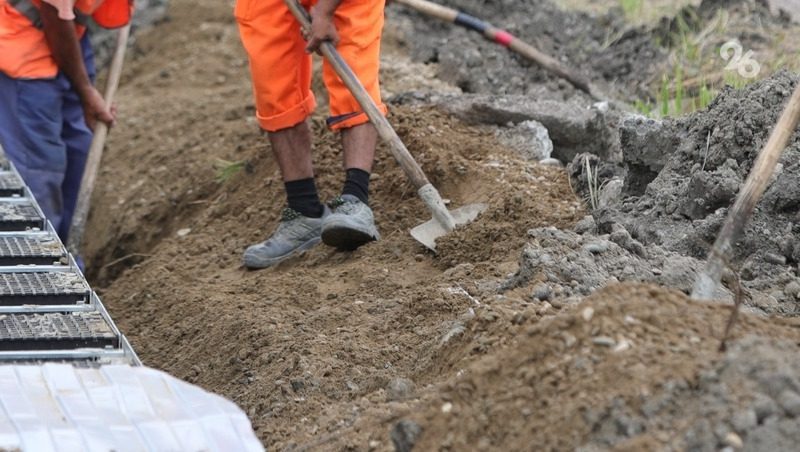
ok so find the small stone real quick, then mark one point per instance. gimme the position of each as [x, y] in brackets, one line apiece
[404, 435]
[569, 340]
[542, 292]
[598, 247]
[604, 341]
[399, 389]
[733, 440]
[622, 345]
[586, 225]
[419, 257]
[184, 232]
[790, 402]
[764, 407]
[551, 162]
[775, 259]
[792, 289]
[587, 314]
[447, 407]
[744, 420]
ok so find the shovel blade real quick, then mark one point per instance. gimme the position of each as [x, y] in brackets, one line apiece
[428, 232]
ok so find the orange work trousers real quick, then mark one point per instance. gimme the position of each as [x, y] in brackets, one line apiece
[281, 68]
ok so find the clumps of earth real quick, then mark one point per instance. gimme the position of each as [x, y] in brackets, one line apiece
[676, 180]
[749, 400]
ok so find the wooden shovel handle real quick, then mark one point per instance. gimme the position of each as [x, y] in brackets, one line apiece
[385, 130]
[742, 210]
[432, 9]
[78, 226]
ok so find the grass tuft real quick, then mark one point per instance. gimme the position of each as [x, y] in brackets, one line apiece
[227, 169]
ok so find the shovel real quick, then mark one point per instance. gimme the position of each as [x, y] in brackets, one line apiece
[757, 182]
[78, 226]
[505, 39]
[443, 220]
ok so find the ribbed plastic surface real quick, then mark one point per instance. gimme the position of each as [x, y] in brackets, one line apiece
[19, 216]
[57, 407]
[43, 288]
[11, 184]
[55, 331]
[30, 250]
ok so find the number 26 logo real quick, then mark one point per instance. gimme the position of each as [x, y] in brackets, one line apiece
[739, 60]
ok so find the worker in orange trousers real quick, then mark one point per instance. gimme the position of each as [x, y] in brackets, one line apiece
[281, 69]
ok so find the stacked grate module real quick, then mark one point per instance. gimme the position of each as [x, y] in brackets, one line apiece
[31, 249]
[48, 311]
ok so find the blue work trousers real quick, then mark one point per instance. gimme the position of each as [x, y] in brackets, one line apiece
[44, 134]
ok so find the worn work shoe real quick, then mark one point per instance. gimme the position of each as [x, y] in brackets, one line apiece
[295, 234]
[350, 224]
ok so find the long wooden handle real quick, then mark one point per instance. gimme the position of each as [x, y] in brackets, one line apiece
[506, 39]
[78, 226]
[385, 130]
[742, 210]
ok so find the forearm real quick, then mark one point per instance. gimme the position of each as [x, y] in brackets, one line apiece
[328, 7]
[65, 47]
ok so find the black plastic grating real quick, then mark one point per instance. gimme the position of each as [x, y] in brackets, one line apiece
[43, 288]
[30, 250]
[11, 184]
[19, 216]
[55, 331]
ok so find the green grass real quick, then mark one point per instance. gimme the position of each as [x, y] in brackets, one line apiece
[632, 8]
[226, 169]
[675, 100]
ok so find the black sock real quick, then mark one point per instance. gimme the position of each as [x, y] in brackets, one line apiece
[302, 196]
[357, 184]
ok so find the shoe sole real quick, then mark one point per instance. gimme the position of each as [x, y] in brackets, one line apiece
[344, 237]
[266, 263]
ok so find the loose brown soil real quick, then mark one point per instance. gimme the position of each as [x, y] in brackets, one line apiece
[309, 347]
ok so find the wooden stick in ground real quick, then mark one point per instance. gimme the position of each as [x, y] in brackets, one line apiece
[78, 226]
[425, 189]
[707, 281]
[505, 39]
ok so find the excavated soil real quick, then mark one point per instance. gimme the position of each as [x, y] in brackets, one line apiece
[490, 344]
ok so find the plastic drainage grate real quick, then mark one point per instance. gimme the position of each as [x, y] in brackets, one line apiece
[55, 331]
[30, 250]
[19, 216]
[45, 288]
[11, 184]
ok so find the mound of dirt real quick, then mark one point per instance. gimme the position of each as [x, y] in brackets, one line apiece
[633, 367]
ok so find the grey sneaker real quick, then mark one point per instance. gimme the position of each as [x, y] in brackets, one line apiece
[350, 224]
[295, 234]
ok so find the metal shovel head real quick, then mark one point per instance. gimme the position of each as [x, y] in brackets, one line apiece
[428, 232]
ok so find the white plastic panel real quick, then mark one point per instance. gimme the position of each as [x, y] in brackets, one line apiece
[62, 408]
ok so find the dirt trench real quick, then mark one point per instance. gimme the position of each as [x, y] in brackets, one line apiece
[389, 346]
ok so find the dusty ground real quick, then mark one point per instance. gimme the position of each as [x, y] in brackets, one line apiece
[491, 344]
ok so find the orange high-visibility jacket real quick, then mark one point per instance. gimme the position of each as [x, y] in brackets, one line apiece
[24, 52]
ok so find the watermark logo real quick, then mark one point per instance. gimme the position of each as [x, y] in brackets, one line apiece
[739, 60]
